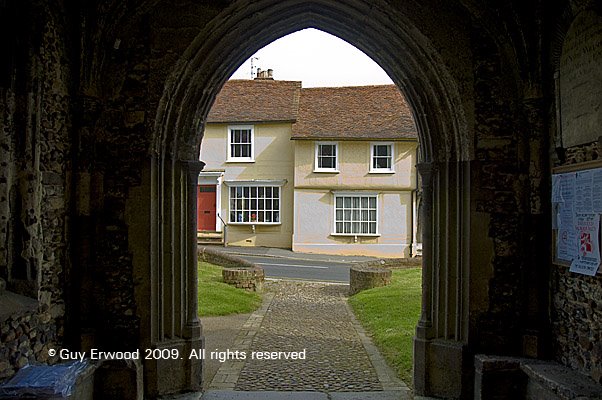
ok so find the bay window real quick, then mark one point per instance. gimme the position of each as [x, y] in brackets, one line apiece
[254, 204]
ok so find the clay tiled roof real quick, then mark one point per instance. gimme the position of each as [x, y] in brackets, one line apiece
[359, 112]
[256, 101]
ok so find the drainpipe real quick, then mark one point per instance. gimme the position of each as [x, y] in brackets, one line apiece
[412, 224]
[413, 214]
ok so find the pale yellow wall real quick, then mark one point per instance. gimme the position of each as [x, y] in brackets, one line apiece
[314, 200]
[274, 155]
[354, 167]
[306, 198]
[314, 225]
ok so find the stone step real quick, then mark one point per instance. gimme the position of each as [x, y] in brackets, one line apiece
[210, 241]
[278, 395]
[209, 234]
[210, 237]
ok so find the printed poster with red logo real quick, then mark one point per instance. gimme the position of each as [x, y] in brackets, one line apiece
[588, 257]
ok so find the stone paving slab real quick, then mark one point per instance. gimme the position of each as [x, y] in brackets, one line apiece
[273, 395]
[263, 395]
[384, 395]
[227, 375]
[276, 395]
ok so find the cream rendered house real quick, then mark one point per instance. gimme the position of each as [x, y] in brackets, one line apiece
[320, 170]
[355, 152]
[250, 163]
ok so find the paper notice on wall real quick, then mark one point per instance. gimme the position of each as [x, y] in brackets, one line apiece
[563, 188]
[588, 258]
[566, 243]
[583, 192]
[556, 182]
[597, 190]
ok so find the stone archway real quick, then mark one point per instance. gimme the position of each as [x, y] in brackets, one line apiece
[432, 86]
[102, 109]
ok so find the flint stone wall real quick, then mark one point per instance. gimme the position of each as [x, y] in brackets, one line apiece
[576, 304]
[237, 272]
[363, 277]
[25, 335]
[244, 278]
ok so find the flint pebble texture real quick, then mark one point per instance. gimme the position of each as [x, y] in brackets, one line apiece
[311, 317]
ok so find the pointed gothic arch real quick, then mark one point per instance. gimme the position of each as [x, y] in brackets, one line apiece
[392, 39]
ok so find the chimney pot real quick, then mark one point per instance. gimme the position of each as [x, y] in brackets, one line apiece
[265, 75]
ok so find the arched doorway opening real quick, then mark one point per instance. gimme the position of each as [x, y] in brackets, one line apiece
[316, 89]
[440, 111]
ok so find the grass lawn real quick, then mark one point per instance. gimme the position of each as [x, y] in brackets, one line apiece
[389, 314]
[219, 298]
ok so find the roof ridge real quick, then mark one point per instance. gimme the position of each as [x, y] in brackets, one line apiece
[352, 87]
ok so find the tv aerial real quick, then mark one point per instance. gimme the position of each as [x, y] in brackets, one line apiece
[253, 59]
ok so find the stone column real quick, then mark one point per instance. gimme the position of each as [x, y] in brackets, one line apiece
[423, 329]
[426, 171]
[193, 325]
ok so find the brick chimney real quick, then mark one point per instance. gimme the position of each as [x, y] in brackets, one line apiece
[265, 75]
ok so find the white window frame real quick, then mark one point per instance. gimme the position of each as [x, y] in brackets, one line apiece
[374, 170]
[336, 155]
[230, 157]
[257, 186]
[360, 195]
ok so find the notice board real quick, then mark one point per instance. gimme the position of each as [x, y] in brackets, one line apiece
[576, 210]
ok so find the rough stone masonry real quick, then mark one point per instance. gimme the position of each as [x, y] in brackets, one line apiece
[102, 106]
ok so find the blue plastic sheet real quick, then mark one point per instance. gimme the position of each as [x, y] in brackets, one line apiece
[53, 381]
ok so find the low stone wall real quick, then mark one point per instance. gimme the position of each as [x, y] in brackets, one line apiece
[245, 278]
[394, 263]
[364, 277]
[576, 316]
[220, 258]
[377, 273]
[237, 272]
[25, 338]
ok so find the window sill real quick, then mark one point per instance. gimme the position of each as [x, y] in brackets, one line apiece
[384, 171]
[234, 160]
[356, 234]
[326, 171]
[255, 223]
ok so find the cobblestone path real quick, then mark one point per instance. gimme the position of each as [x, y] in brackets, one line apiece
[313, 317]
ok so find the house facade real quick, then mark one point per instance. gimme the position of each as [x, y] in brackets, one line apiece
[319, 170]
[250, 163]
[355, 180]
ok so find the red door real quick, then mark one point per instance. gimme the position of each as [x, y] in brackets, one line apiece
[206, 208]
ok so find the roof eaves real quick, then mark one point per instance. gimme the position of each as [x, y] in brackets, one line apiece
[356, 139]
[265, 121]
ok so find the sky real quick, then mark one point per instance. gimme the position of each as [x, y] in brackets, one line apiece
[316, 58]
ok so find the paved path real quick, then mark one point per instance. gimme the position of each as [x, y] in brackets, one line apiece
[219, 333]
[314, 317]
